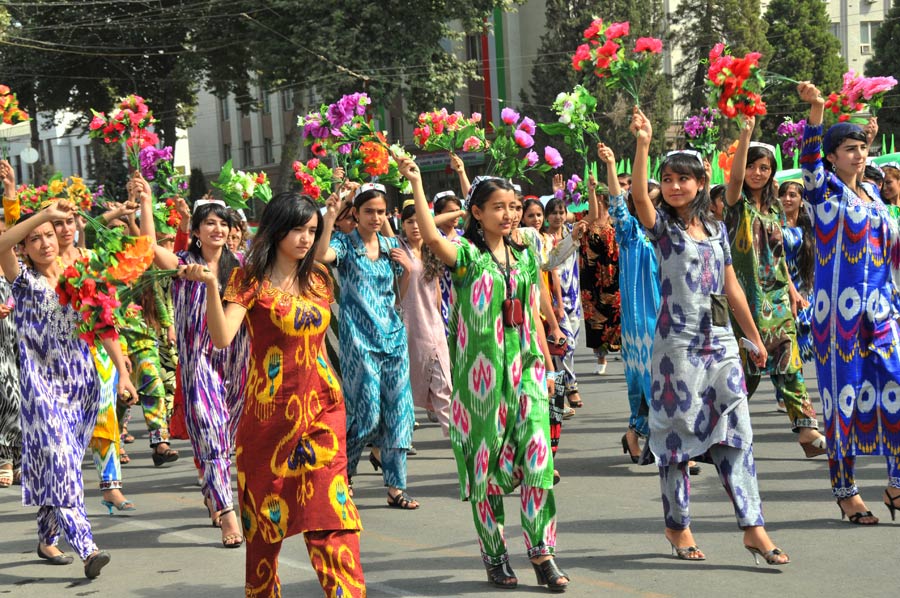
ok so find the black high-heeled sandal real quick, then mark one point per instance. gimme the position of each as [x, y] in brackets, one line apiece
[548, 574]
[892, 505]
[627, 450]
[856, 518]
[502, 576]
[376, 463]
[169, 455]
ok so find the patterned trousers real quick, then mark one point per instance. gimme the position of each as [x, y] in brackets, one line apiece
[737, 472]
[334, 556]
[790, 388]
[538, 516]
[147, 376]
[73, 522]
[379, 410]
[209, 429]
[843, 480]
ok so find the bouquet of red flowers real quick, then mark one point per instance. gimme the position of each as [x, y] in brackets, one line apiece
[129, 122]
[316, 178]
[440, 130]
[857, 94]
[607, 58]
[735, 84]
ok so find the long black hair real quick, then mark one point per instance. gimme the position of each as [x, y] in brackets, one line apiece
[700, 207]
[806, 257]
[227, 261]
[768, 193]
[285, 212]
[527, 204]
[432, 267]
[480, 193]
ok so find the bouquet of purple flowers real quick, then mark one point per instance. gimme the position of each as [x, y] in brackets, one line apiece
[702, 131]
[793, 132]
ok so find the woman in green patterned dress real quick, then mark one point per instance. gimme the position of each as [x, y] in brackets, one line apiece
[753, 217]
[499, 424]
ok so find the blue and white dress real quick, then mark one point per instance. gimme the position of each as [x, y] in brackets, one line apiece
[639, 291]
[373, 352]
[793, 242]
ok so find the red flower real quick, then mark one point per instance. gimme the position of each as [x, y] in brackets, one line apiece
[594, 30]
[609, 48]
[582, 54]
[318, 150]
[648, 44]
[312, 164]
[617, 30]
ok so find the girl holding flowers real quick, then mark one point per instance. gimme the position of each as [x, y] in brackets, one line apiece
[500, 420]
[291, 439]
[212, 380]
[753, 217]
[373, 345]
[856, 318]
[60, 389]
[698, 403]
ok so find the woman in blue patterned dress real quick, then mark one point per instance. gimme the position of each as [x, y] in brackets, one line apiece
[800, 254]
[213, 380]
[856, 315]
[698, 406]
[60, 390]
[373, 348]
[639, 289]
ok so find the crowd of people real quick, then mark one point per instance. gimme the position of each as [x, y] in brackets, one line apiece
[469, 306]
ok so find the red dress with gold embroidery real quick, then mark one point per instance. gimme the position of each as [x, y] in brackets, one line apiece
[291, 441]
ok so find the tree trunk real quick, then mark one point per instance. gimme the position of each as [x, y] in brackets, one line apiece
[290, 151]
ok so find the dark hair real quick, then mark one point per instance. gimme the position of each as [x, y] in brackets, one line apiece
[700, 207]
[527, 204]
[441, 204]
[284, 212]
[874, 173]
[553, 204]
[407, 213]
[227, 261]
[367, 196]
[480, 193]
[716, 193]
[832, 142]
[806, 257]
[768, 192]
[432, 267]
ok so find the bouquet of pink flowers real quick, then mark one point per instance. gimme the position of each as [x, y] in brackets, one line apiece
[514, 134]
[440, 130]
[604, 53]
[857, 94]
[130, 123]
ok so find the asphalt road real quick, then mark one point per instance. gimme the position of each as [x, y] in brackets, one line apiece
[610, 525]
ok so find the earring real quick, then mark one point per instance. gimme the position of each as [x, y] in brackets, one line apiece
[199, 243]
[478, 229]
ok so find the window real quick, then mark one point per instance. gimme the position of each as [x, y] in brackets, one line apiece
[223, 108]
[867, 32]
[473, 47]
[247, 154]
[287, 99]
[268, 155]
[49, 151]
[89, 158]
[836, 30]
[78, 169]
[226, 152]
[264, 102]
[17, 162]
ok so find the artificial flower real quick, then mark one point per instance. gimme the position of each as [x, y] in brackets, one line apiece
[509, 116]
[552, 157]
[523, 139]
[735, 84]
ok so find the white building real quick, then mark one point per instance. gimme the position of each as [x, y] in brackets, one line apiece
[855, 23]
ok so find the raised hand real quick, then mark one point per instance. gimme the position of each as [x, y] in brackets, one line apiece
[559, 184]
[409, 169]
[606, 155]
[809, 93]
[8, 178]
[640, 125]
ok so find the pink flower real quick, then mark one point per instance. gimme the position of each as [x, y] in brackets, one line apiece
[527, 125]
[582, 54]
[312, 164]
[648, 44]
[98, 122]
[471, 144]
[476, 117]
[509, 116]
[617, 30]
[532, 158]
[552, 157]
[523, 139]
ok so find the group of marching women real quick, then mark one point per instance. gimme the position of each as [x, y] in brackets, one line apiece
[477, 325]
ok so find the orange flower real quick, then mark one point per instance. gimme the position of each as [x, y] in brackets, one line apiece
[375, 157]
[726, 159]
[132, 261]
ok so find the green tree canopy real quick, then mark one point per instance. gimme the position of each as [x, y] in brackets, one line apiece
[886, 62]
[803, 49]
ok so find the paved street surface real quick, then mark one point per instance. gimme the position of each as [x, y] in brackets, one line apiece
[610, 525]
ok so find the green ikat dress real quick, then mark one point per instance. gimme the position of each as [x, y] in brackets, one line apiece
[499, 411]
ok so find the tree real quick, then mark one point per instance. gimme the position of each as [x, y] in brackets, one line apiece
[566, 22]
[886, 62]
[701, 24]
[803, 49]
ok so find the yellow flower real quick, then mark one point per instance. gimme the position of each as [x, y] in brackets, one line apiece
[56, 187]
